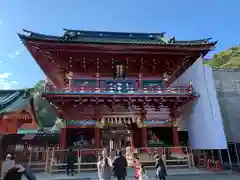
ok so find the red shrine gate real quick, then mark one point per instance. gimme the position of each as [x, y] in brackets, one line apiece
[95, 74]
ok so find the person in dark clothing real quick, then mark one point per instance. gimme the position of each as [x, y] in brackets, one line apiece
[161, 168]
[15, 173]
[70, 162]
[119, 166]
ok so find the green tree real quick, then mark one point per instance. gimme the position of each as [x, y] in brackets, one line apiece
[226, 59]
[45, 113]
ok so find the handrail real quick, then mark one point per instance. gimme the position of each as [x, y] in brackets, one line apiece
[146, 155]
[177, 89]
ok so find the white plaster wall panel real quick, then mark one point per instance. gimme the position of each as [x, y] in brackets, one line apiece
[205, 125]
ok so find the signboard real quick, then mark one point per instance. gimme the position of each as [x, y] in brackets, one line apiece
[156, 122]
[152, 84]
[81, 123]
[121, 85]
[27, 131]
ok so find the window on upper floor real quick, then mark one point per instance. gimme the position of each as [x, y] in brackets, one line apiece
[119, 71]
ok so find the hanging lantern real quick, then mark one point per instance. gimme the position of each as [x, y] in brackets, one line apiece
[116, 120]
[120, 120]
[136, 119]
[129, 121]
[133, 120]
[103, 121]
[139, 122]
[112, 120]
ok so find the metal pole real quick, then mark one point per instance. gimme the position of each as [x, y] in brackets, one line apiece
[236, 151]
[229, 159]
[220, 156]
[212, 155]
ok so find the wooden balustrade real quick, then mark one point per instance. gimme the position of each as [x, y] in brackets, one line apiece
[177, 89]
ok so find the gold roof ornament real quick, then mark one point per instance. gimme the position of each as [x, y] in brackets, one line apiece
[175, 124]
[99, 125]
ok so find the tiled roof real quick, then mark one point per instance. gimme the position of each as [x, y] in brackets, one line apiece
[28, 137]
[13, 100]
[103, 37]
[28, 126]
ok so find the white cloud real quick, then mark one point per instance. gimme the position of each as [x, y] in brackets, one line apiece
[15, 54]
[5, 75]
[5, 84]
[14, 82]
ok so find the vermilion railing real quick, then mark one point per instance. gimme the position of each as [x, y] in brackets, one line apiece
[177, 89]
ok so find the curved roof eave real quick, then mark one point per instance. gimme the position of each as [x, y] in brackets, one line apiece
[98, 37]
[14, 100]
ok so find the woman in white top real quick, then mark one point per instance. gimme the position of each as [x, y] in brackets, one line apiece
[104, 168]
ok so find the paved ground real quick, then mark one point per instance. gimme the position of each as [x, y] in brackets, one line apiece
[193, 174]
[204, 177]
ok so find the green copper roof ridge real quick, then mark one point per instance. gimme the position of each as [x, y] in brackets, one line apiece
[196, 40]
[114, 32]
[151, 42]
[157, 40]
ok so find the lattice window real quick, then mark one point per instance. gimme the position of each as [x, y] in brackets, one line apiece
[119, 71]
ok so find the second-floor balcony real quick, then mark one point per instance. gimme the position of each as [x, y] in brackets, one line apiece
[118, 90]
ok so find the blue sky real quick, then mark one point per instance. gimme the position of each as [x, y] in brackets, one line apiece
[185, 19]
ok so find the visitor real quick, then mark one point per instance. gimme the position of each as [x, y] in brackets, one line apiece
[112, 154]
[143, 173]
[161, 168]
[7, 164]
[119, 166]
[70, 162]
[14, 173]
[100, 160]
[104, 168]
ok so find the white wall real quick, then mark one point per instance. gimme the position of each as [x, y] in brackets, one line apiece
[204, 121]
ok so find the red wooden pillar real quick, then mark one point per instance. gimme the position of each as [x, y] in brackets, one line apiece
[63, 138]
[176, 142]
[144, 138]
[98, 80]
[97, 137]
[139, 80]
